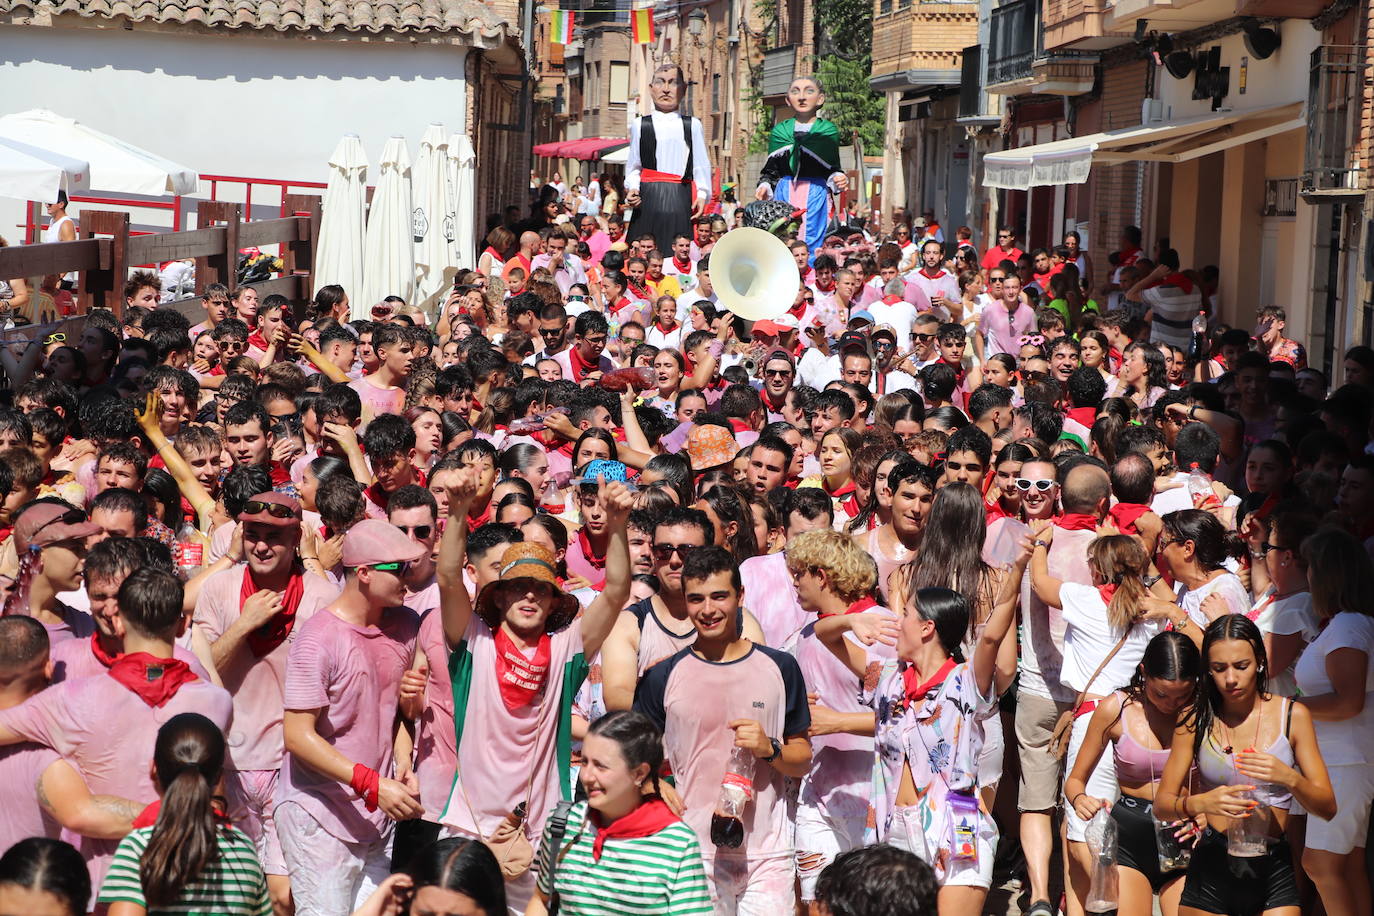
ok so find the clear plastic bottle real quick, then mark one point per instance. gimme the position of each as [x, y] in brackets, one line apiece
[190, 551]
[1247, 837]
[736, 791]
[1103, 893]
[1197, 344]
[1199, 486]
[614, 323]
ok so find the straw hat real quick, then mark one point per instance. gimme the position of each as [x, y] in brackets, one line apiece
[528, 561]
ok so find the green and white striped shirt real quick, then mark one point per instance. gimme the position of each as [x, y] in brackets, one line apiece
[661, 874]
[231, 885]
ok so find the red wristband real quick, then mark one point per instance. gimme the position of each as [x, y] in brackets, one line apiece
[366, 782]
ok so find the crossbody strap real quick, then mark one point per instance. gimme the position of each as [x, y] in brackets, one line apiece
[1082, 694]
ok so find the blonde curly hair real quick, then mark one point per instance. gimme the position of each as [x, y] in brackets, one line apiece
[851, 571]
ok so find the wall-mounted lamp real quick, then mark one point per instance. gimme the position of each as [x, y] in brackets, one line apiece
[696, 23]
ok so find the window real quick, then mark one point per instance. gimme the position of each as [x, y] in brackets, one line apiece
[620, 83]
[715, 92]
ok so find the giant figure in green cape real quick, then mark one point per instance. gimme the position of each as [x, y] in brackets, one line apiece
[803, 165]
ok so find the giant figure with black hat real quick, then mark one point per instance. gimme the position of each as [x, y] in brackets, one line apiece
[667, 167]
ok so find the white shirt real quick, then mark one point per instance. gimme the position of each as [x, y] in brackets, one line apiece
[1348, 741]
[1284, 617]
[900, 315]
[568, 273]
[816, 369]
[690, 298]
[1089, 638]
[670, 152]
[1227, 585]
[663, 340]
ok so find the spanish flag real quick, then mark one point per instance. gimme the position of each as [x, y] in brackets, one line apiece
[642, 26]
[561, 26]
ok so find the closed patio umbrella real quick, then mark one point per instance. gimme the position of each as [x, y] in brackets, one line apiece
[389, 247]
[433, 221]
[462, 160]
[340, 255]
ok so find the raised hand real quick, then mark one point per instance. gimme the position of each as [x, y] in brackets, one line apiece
[874, 628]
[148, 419]
[462, 490]
[616, 499]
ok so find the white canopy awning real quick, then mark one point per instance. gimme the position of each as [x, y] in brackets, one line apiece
[32, 173]
[1069, 161]
[115, 165]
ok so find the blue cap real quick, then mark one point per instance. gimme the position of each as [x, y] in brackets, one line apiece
[600, 467]
[864, 314]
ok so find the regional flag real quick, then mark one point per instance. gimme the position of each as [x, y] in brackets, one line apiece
[642, 26]
[561, 27]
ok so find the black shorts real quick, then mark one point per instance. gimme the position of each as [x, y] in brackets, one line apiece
[1135, 841]
[1233, 886]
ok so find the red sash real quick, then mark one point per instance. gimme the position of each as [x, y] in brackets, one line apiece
[155, 680]
[1076, 521]
[653, 176]
[520, 678]
[1126, 514]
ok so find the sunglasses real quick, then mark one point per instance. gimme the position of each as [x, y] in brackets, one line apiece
[1266, 547]
[276, 510]
[55, 338]
[420, 532]
[663, 552]
[923, 338]
[399, 568]
[1024, 485]
[781, 373]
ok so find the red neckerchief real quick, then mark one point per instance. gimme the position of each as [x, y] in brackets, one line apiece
[797, 309]
[769, 405]
[959, 372]
[641, 292]
[1254, 612]
[1179, 280]
[891, 300]
[1124, 515]
[1106, 591]
[682, 266]
[257, 340]
[477, 521]
[918, 691]
[5, 532]
[155, 680]
[823, 289]
[850, 505]
[520, 678]
[274, 632]
[1076, 521]
[280, 474]
[148, 816]
[584, 541]
[664, 330]
[1262, 513]
[496, 255]
[1085, 416]
[651, 817]
[215, 370]
[995, 511]
[858, 607]
[740, 426]
[1127, 256]
[100, 654]
[939, 272]
[580, 367]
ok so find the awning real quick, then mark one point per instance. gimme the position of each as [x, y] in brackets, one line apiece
[619, 157]
[585, 149]
[1068, 161]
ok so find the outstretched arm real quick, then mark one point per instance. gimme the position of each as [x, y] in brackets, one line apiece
[454, 603]
[599, 619]
[190, 487]
[984, 661]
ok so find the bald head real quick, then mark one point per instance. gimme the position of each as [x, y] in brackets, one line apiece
[1133, 478]
[1086, 490]
[529, 241]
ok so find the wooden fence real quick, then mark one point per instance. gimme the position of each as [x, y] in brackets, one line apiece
[107, 252]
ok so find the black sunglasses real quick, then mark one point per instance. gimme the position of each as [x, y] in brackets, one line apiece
[70, 517]
[421, 532]
[276, 510]
[662, 552]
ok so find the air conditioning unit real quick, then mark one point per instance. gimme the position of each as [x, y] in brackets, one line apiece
[1152, 111]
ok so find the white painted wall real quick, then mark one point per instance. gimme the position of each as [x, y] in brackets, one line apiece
[233, 104]
[1279, 79]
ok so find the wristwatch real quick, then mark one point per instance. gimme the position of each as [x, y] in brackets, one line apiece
[1150, 580]
[777, 750]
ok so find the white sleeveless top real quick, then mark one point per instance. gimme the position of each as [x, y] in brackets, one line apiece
[54, 234]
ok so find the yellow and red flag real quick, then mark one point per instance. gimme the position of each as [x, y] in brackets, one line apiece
[642, 26]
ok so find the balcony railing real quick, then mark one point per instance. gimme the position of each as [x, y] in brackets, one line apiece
[1017, 40]
[1332, 166]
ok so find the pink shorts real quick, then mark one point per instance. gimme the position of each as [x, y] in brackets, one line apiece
[752, 886]
[252, 808]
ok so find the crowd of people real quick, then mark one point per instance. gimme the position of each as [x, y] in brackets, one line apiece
[966, 570]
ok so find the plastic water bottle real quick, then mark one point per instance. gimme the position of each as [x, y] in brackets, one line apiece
[1197, 344]
[736, 791]
[1101, 836]
[189, 553]
[1247, 837]
[614, 323]
[1199, 486]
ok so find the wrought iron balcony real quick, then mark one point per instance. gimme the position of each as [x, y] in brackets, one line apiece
[1016, 41]
[1333, 167]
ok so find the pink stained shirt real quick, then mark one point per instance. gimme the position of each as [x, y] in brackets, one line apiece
[352, 674]
[656, 641]
[1002, 330]
[841, 776]
[74, 624]
[21, 816]
[107, 732]
[501, 747]
[73, 658]
[771, 596]
[579, 565]
[381, 400]
[436, 755]
[257, 684]
[764, 685]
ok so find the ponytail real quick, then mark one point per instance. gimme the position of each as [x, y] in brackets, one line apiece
[188, 758]
[30, 564]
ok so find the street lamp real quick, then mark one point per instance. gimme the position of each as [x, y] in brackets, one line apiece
[696, 22]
